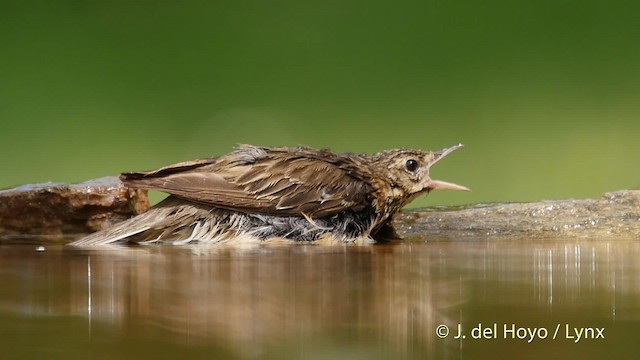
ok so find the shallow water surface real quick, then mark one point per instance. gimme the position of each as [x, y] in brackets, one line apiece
[507, 299]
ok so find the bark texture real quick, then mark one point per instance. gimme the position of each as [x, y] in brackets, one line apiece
[61, 212]
[612, 216]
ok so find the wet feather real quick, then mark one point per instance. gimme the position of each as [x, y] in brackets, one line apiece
[297, 193]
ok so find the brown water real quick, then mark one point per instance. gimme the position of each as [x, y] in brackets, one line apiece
[322, 302]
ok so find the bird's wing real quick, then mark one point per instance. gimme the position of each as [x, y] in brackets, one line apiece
[261, 180]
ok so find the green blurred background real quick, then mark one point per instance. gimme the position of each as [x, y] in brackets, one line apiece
[544, 94]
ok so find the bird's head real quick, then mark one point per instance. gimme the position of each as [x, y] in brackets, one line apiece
[408, 171]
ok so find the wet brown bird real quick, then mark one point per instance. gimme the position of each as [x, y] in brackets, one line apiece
[299, 194]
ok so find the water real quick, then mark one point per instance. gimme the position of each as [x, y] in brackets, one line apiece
[323, 302]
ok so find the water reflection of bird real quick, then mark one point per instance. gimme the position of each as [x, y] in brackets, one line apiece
[293, 193]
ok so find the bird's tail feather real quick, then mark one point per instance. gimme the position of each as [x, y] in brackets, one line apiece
[172, 220]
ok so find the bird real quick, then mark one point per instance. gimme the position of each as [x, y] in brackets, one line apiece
[301, 194]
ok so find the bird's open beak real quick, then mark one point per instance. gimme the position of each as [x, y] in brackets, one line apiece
[443, 185]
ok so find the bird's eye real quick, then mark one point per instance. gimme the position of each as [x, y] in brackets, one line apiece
[411, 165]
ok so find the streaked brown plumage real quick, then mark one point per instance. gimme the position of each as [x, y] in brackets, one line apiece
[296, 193]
